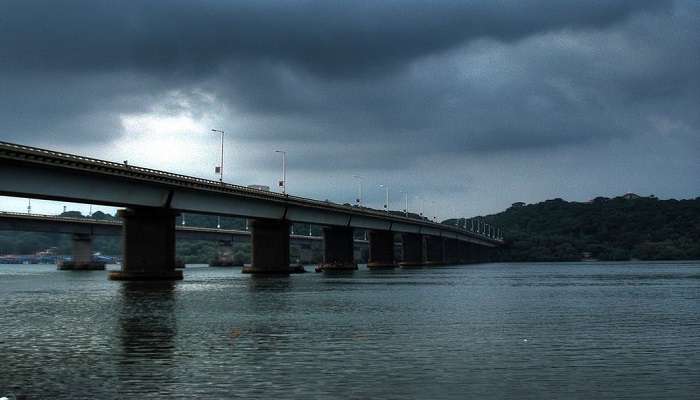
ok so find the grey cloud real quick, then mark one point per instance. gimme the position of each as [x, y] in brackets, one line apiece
[556, 89]
[330, 38]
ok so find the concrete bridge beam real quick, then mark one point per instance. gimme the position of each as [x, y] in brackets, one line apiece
[434, 250]
[149, 245]
[338, 249]
[381, 250]
[413, 251]
[82, 255]
[269, 247]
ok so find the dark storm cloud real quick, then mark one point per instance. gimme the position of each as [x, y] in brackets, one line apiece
[555, 89]
[330, 38]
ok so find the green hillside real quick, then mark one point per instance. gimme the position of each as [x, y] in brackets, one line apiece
[622, 228]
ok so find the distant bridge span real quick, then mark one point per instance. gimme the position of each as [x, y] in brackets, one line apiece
[21, 222]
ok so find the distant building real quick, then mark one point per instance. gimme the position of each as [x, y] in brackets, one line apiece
[259, 187]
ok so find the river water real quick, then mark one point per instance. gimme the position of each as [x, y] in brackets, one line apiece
[488, 331]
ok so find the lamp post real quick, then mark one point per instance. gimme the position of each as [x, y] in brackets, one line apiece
[405, 203]
[422, 205]
[358, 200]
[283, 182]
[386, 199]
[220, 169]
[221, 166]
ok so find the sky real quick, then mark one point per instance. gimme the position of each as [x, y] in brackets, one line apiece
[464, 106]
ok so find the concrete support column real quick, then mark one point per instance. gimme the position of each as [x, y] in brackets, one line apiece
[381, 250]
[473, 250]
[149, 245]
[412, 250]
[82, 255]
[224, 255]
[463, 250]
[451, 251]
[338, 249]
[434, 250]
[485, 254]
[82, 248]
[269, 247]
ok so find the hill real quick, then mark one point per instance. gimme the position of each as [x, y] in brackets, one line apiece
[621, 228]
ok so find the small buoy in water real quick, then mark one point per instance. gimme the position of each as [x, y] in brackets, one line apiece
[524, 340]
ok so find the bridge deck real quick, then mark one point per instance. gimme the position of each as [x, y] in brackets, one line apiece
[33, 172]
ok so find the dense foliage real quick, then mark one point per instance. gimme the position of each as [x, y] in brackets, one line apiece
[622, 228]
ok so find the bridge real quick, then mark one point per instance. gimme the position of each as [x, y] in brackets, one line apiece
[83, 230]
[151, 199]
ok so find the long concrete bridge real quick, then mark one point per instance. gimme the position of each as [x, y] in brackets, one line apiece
[151, 200]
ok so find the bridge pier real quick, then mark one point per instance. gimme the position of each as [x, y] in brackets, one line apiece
[412, 250]
[434, 250]
[338, 249]
[224, 256]
[484, 254]
[149, 245]
[381, 250]
[463, 251]
[474, 253]
[451, 251]
[82, 255]
[269, 247]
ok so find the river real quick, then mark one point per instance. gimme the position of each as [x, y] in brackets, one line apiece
[488, 331]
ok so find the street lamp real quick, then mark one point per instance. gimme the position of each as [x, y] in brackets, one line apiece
[386, 201]
[405, 203]
[358, 200]
[220, 168]
[422, 205]
[283, 182]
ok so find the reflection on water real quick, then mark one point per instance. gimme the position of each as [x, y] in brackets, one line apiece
[619, 330]
[146, 329]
